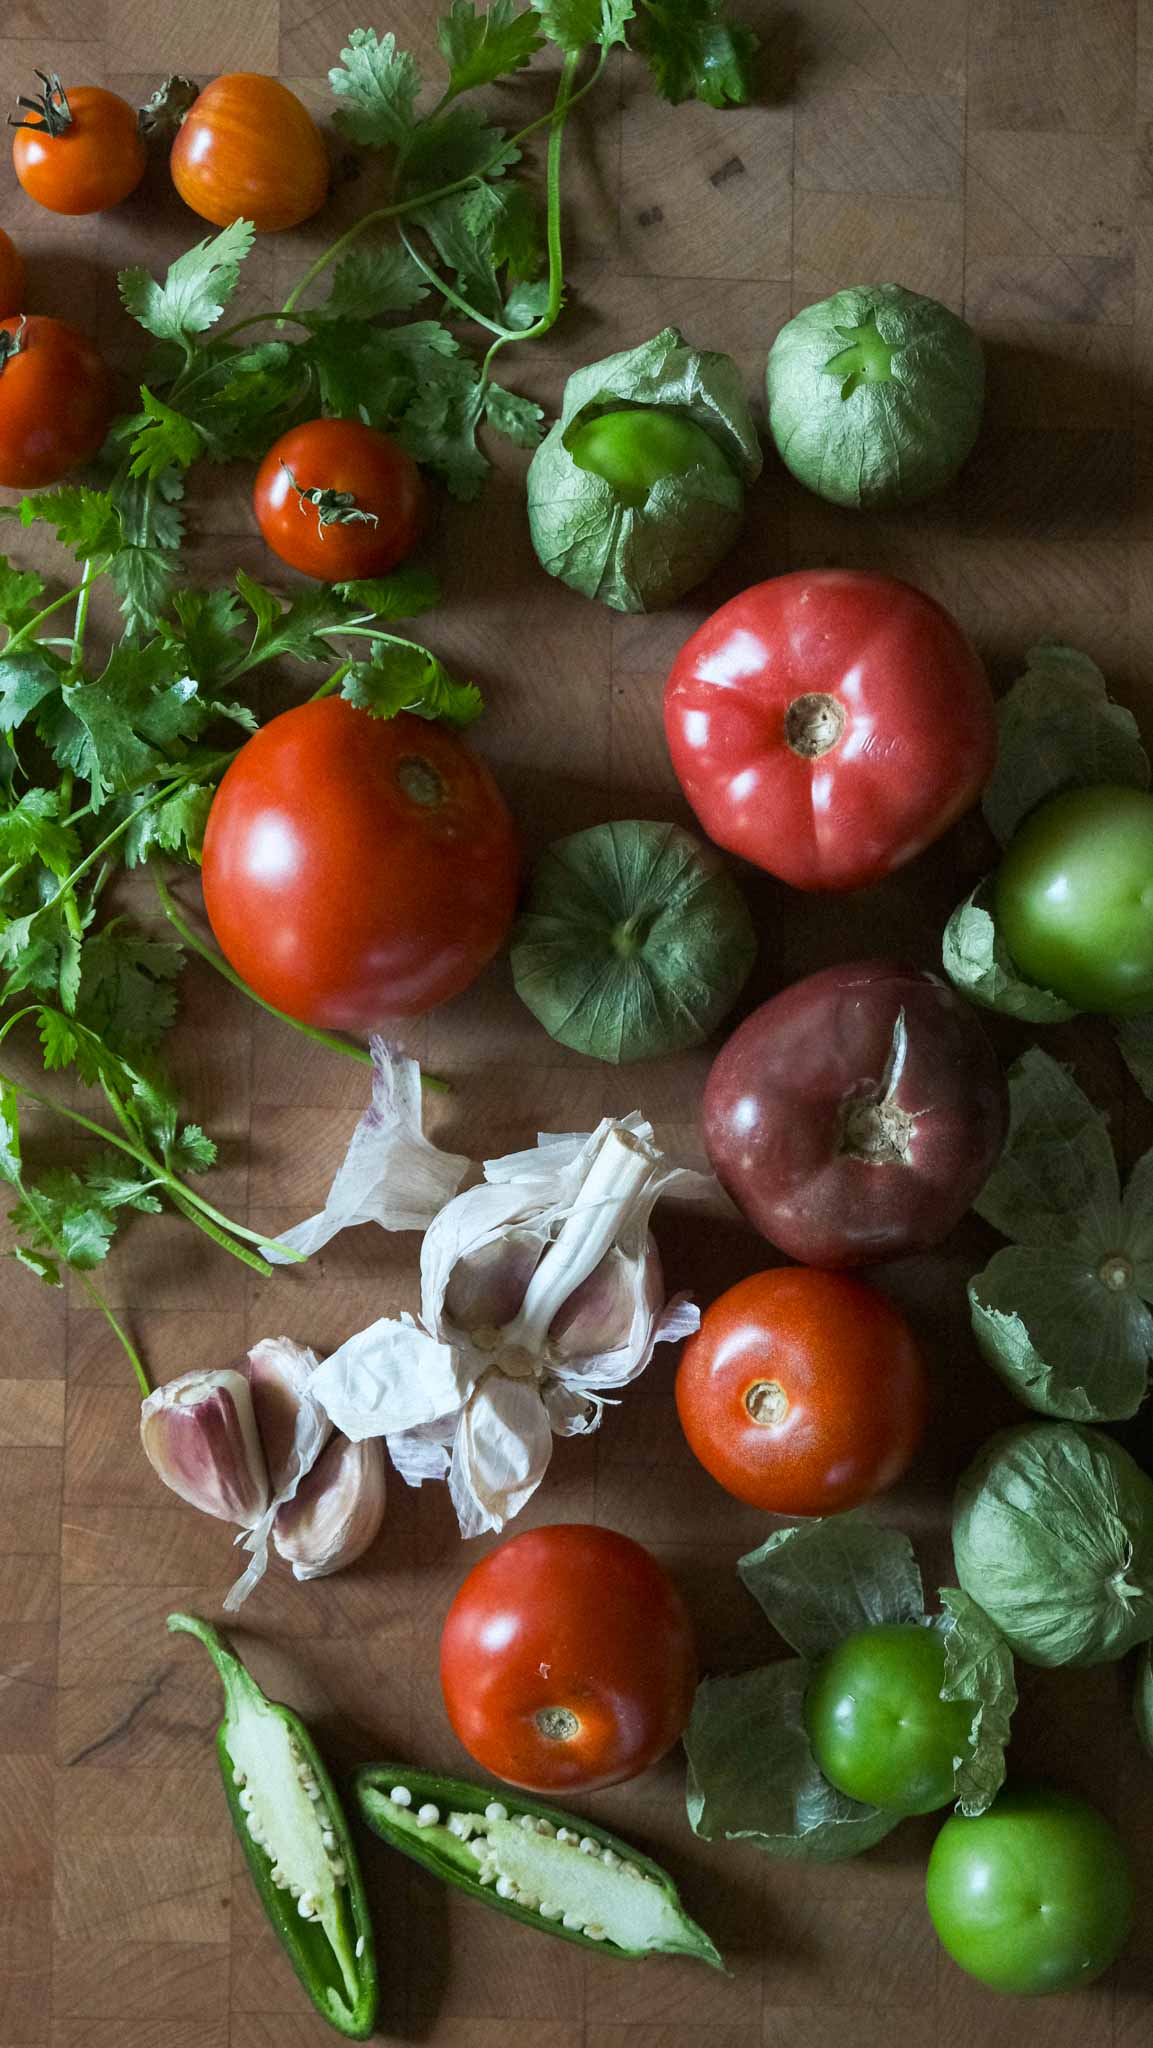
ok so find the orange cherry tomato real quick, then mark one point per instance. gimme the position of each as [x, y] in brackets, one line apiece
[337, 499]
[249, 149]
[11, 276]
[55, 400]
[358, 868]
[803, 1392]
[77, 150]
[567, 1660]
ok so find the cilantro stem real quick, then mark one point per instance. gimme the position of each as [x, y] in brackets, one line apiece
[197, 945]
[222, 1237]
[83, 598]
[561, 105]
[91, 1290]
[29, 631]
[561, 109]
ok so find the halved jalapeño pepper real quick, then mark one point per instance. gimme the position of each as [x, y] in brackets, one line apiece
[548, 1869]
[297, 1841]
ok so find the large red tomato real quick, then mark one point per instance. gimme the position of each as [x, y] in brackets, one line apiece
[338, 500]
[829, 725]
[248, 148]
[358, 868]
[802, 1392]
[856, 1115]
[567, 1660]
[55, 401]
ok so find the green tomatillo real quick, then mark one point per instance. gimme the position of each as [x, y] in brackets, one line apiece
[639, 488]
[1074, 898]
[875, 395]
[879, 1728]
[636, 941]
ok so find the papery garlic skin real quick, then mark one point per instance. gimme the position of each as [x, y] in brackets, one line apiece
[278, 1374]
[281, 1364]
[337, 1510]
[200, 1436]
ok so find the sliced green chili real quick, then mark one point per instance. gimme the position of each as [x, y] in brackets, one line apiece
[548, 1869]
[297, 1841]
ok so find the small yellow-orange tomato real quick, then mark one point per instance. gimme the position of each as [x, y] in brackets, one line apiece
[248, 149]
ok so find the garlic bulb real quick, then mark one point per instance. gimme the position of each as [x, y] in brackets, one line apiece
[200, 1436]
[541, 1292]
[337, 1511]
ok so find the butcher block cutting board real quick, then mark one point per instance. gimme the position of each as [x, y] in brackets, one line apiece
[996, 156]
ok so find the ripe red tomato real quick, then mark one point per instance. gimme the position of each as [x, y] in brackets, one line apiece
[856, 1115]
[11, 276]
[55, 401]
[78, 150]
[802, 1392]
[358, 868]
[249, 149]
[567, 1660]
[829, 725]
[336, 499]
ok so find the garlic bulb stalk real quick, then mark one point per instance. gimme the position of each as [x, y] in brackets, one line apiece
[618, 1176]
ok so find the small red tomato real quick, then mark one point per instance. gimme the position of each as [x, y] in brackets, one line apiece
[78, 151]
[803, 1392]
[829, 725]
[567, 1660]
[249, 149]
[338, 500]
[358, 868]
[11, 276]
[55, 401]
[857, 1114]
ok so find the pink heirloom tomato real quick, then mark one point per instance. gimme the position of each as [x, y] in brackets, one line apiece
[829, 725]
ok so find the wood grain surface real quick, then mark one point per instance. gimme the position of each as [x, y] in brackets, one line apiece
[997, 156]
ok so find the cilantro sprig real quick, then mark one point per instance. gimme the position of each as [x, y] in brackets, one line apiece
[472, 242]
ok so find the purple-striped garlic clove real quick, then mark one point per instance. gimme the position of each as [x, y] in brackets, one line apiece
[278, 1372]
[487, 1287]
[336, 1511]
[199, 1435]
[598, 1315]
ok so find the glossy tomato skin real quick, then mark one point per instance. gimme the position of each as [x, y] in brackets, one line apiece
[637, 447]
[95, 163]
[1033, 1896]
[829, 725]
[878, 1727]
[583, 1627]
[792, 1124]
[248, 148]
[1074, 898]
[358, 868]
[803, 1392]
[55, 402]
[12, 278]
[347, 457]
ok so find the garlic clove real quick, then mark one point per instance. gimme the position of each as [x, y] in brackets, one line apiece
[598, 1315]
[488, 1286]
[200, 1436]
[336, 1511]
[278, 1372]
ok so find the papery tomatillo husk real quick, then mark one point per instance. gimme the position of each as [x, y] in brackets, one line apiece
[200, 1436]
[337, 1510]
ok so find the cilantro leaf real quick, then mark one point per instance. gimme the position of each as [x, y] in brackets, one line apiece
[10, 1161]
[203, 633]
[450, 225]
[19, 590]
[574, 24]
[126, 992]
[26, 679]
[163, 439]
[480, 48]
[196, 289]
[143, 568]
[694, 53]
[299, 629]
[403, 595]
[86, 521]
[405, 677]
[111, 1179]
[378, 84]
[240, 399]
[191, 1151]
[32, 831]
[372, 281]
[62, 1213]
[526, 303]
[174, 826]
[460, 143]
[35, 1262]
[516, 418]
